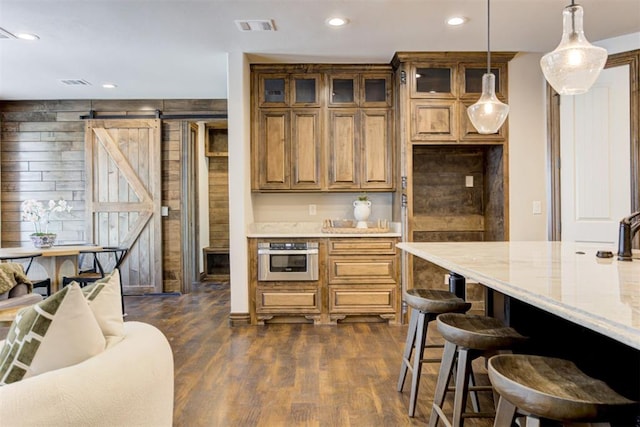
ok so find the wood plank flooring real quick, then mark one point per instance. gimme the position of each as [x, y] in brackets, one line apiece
[281, 375]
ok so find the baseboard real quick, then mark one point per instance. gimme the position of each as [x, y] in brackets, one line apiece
[239, 319]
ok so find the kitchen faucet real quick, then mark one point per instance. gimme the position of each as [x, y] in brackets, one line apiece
[625, 236]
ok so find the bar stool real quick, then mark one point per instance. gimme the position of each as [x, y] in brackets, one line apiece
[426, 305]
[546, 387]
[467, 337]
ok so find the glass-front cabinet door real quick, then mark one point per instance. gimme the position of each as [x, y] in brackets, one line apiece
[433, 81]
[343, 90]
[376, 90]
[273, 90]
[305, 90]
[471, 79]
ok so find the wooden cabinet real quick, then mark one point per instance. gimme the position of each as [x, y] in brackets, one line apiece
[456, 179]
[359, 279]
[216, 139]
[286, 301]
[363, 278]
[286, 89]
[329, 128]
[440, 87]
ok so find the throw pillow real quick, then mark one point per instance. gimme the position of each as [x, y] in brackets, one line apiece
[58, 332]
[105, 300]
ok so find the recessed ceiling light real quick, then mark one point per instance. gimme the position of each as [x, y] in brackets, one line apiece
[109, 86]
[27, 36]
[337, 22]
[456, 20]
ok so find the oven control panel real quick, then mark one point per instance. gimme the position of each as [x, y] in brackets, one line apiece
[288, 246]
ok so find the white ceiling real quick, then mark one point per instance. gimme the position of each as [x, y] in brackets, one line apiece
[177, 48]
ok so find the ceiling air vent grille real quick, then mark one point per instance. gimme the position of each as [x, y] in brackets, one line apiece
[75, 82]
[255, 25]
[4, 34]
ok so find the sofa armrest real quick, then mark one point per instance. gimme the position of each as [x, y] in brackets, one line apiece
[130, 383]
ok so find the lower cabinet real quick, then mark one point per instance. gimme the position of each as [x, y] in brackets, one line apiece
[289, 300]
[363, 279]
[358, 280]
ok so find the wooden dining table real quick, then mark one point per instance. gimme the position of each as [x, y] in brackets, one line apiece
[55, 262]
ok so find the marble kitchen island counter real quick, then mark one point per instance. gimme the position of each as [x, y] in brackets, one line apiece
[278, 230]
[562, 278]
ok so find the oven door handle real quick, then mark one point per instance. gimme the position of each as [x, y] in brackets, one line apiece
[287, 252]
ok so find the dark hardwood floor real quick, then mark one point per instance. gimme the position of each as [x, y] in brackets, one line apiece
[281, 375]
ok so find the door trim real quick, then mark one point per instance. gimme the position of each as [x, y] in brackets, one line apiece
[189, 220]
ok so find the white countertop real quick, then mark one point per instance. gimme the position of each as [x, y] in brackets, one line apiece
[600, 294]
[308, 229]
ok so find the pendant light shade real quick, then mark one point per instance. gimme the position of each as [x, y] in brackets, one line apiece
[575, 64]
[489, 113]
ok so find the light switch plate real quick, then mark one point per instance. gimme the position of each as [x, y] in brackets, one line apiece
[537, 207]
[312, 209]
[164, 210]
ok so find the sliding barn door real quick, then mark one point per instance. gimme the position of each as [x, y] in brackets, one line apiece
[123, 196]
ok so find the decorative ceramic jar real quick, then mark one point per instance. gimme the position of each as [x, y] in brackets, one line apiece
[42, 240]
[361, 212]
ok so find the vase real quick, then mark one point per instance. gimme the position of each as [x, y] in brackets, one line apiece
[43, 241]
[361, 212]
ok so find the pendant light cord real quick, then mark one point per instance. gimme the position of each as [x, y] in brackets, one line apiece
[489, 36]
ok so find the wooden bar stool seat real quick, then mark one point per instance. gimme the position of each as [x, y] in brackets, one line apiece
[551, 388]
[426, 305]
[467, 337]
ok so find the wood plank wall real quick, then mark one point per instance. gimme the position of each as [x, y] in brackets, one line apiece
[219, 192]
[445, 209]
[42, 157]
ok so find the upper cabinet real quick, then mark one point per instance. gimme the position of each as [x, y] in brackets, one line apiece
[440, 87]
[365, 89]
[322, 128]
[288, 90]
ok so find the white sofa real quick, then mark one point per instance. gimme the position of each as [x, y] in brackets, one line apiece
[129, 384]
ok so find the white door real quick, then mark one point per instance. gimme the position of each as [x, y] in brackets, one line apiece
[595, 159]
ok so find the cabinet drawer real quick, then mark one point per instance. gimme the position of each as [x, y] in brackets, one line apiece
[372, 300]
[289, 301]
[362, 246]
[362, 270]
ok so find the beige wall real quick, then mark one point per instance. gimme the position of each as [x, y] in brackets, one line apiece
[295, 207]
[240, 205]
[527, 148]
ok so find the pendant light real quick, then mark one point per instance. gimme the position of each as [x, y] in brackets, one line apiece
[488, 114]
[575, 64]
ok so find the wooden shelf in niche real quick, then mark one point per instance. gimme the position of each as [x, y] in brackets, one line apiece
[216, 144]
[216, 264]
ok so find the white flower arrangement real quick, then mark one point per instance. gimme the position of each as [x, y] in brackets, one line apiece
[35, 212]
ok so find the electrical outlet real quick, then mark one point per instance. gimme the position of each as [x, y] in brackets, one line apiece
[312, 209]
[468, 181]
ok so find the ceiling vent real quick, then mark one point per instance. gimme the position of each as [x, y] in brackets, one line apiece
[256, 25]
[4, 34]
[75, 82]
